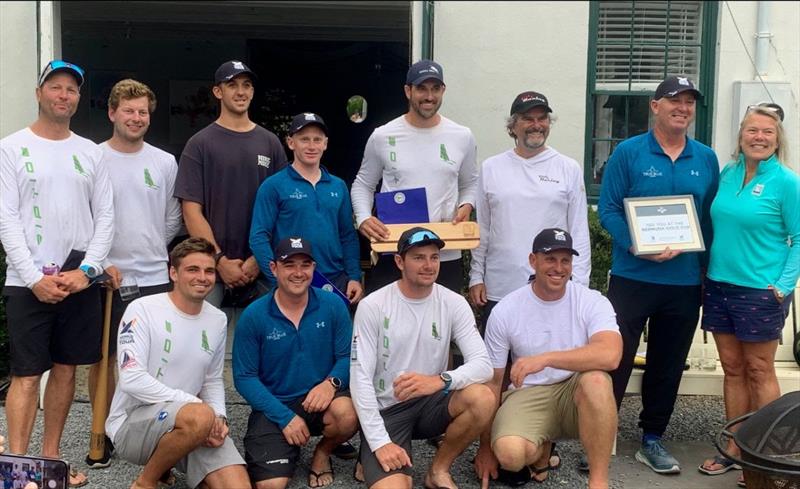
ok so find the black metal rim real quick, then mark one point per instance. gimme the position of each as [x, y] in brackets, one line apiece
[727, 434]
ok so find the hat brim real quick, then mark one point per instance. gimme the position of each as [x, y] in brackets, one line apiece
[522, 108]
[64, 69]
[696, 92]
[290, 255]
[422, 79]
[556, 248]
[249, 73]
[438, 242]
[322, 126]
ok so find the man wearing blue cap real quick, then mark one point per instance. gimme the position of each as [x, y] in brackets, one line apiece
[421, 148]
[56, 226]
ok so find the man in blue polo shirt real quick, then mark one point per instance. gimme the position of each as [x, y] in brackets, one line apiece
[291, 360]
[663, 289]
[305, 200]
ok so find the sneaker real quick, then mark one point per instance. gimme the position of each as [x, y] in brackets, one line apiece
[654, 455]
[105, 461]
[345, 451]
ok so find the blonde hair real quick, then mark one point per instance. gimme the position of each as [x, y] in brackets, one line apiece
[130, 89]
[782, 149]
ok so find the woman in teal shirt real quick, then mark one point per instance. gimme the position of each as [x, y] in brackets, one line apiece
[755, 263]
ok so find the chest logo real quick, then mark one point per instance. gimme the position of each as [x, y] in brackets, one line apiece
[758, 189]
[148, 180]
[204, 343]
[264, 161]
[298, 195]
[275, 335]
[76, 163]
[694, 173]
[444, 156]
[320, 324]
[652, 172]
[545, 178]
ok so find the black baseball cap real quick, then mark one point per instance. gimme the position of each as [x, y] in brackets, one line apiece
[424, 69]
[673, 85]
[302, 120]
[230, 69]
[552, 239]
[417, 236]
[292, 246]
[528, 100]
[58, 65]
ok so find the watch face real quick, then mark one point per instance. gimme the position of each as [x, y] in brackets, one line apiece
[446, 377]
[336, 382]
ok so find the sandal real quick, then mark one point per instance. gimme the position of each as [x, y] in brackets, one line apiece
[316, 476]
[725, 463]
[73, 475]
[355, 471]
[740, 481]
[534, 471]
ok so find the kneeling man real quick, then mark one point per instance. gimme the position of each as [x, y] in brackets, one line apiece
[169, 405]
[401, 387]
[291, 361]
[563, 338]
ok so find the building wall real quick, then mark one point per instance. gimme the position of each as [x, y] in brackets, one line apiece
[18, 65]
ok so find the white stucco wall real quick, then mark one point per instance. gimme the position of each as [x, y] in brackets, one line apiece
[18, 65]
[734, 65]
[492, 51]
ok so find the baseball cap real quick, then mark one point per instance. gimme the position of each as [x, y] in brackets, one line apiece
[417, 236]
[292, 246]
[302, 120]
[673, 85]
[230, 69]
[528, 100]
[422, 70]
[60, 65]
[552, 239]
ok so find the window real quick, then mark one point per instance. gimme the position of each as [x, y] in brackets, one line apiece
[633, 46]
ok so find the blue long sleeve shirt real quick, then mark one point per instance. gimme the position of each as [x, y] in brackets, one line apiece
[275, 363]
[640, 168]
[288, 205]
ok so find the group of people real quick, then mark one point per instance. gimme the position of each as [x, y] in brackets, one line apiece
[551, 358]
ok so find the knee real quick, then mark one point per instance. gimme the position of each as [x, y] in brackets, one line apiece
[342, 415]
[594, 388]
[63, 373]
[759, 371]
[479, 399]
[195, 418]
[510, 452]
[28, 383]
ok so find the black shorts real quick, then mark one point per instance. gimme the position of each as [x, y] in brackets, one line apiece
[266, 451]
[118, 307]
[40, 334]
[417, 419]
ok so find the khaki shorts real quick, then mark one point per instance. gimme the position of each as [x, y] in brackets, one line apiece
[539, 413]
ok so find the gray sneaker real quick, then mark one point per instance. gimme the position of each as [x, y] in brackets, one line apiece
[654, 455]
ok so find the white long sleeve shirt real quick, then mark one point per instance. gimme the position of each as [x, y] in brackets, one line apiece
[442, 159]
[146, 215]
[393, 334]
[517, 198]
[165, 355]
[55, 196]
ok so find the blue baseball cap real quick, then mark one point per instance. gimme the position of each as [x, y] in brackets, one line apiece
[58, 65]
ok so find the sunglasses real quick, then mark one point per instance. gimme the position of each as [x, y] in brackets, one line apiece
[58, 64]
[419, 237]
[773, 107]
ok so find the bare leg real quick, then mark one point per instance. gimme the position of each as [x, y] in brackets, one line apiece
[597, 423]
[341, 423]
[276, 483]
[515, 452]
[228, 477]
[23, 395]
[762, 382]
[111, 384]
[394, 481]
[734, 385]
[58, 397]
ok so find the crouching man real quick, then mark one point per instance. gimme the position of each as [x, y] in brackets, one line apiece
[563, 339]
[169, 405]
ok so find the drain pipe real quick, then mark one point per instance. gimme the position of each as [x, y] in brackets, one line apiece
[763, 36]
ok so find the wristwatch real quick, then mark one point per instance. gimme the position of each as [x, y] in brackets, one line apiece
[223, 418]
[90, 271]
[447, 379]
[217, 256]
[780, 295]
[336, 383]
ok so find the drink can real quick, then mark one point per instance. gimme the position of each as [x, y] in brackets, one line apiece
[51, 269]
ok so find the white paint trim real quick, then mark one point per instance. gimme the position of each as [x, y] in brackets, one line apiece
[49, 32]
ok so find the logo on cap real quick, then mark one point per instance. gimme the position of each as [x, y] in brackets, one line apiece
[529, 98]
[682, 80]
[239, 65]
[559, 235]
[296, 242]
[429, 69]
[309, 116]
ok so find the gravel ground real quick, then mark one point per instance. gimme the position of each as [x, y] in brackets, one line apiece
[696, 418]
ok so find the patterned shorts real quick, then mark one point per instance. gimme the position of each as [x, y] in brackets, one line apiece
[750, 314]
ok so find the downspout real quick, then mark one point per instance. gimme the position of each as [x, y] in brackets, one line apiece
[763, 36]
[427, 30]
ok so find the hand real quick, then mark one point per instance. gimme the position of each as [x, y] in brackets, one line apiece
[411, 385]
[73, 281]
[230, 271]
[374, 229]
[485, 465]
[319, 398]
[462, 213]
[477, 294]
[665, 255]
[392, 457]
[217, 435]
[296, 432]
[49, 290]
[114, 277]
[250, 269]
[526, 366]
[354, 291]
[779, 298]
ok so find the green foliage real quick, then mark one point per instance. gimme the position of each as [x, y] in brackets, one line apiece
[601, 253]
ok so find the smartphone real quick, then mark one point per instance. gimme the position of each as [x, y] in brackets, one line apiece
[19, 471]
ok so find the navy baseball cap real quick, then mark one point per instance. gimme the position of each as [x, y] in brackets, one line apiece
[230, 69]
[417, 236]
[552, 239]
[292, 246]
[58, 65]
[302, 120]
[424, 70]
[673, 85]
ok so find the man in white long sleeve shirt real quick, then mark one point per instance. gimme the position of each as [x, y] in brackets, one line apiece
[169, 406]
[146, 215]
[399, 381]
[520, 192]
[56, 226]
[421, 148]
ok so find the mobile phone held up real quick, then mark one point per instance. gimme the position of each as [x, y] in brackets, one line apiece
[27, 472]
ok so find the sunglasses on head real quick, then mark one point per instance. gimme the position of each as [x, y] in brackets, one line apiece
[420, 236]
[58, 64]
[772, 107]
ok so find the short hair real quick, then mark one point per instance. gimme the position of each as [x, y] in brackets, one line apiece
[128, 89]
[782, 151]
[189, 246]
[512, 120]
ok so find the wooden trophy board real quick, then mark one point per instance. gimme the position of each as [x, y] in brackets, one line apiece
[462, 236]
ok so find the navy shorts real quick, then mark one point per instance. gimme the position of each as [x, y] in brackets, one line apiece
[750, 314]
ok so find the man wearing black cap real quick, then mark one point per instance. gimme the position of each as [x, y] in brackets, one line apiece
[56, 226]
[419, 149]
[401, 387]
[219, 173]
[291, 358]
[304, 199]
[563, 339]
[520, 192]
[662, 290]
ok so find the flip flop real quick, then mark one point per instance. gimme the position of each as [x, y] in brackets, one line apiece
[74, 474]
[355, 471]
[317, 475]
[726, 464]
[534, 471]
[740, 481]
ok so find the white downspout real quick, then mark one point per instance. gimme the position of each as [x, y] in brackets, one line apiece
[763, 36]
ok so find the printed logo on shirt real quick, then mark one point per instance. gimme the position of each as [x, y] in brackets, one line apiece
[386, 322]
[275, 335]
[652, 172]
[444, 156]
[162, 415]
[128, 360]
[694, 173]
[148, 180]
[392, 141]
[435, 332]
[264, 161]
[25, 151]
[298, 195]
[758, 189]
[335, 195]
[127, 328]
[545, 178]
[354, 349]
[204, 343]
[320, 324]
[76, 163]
